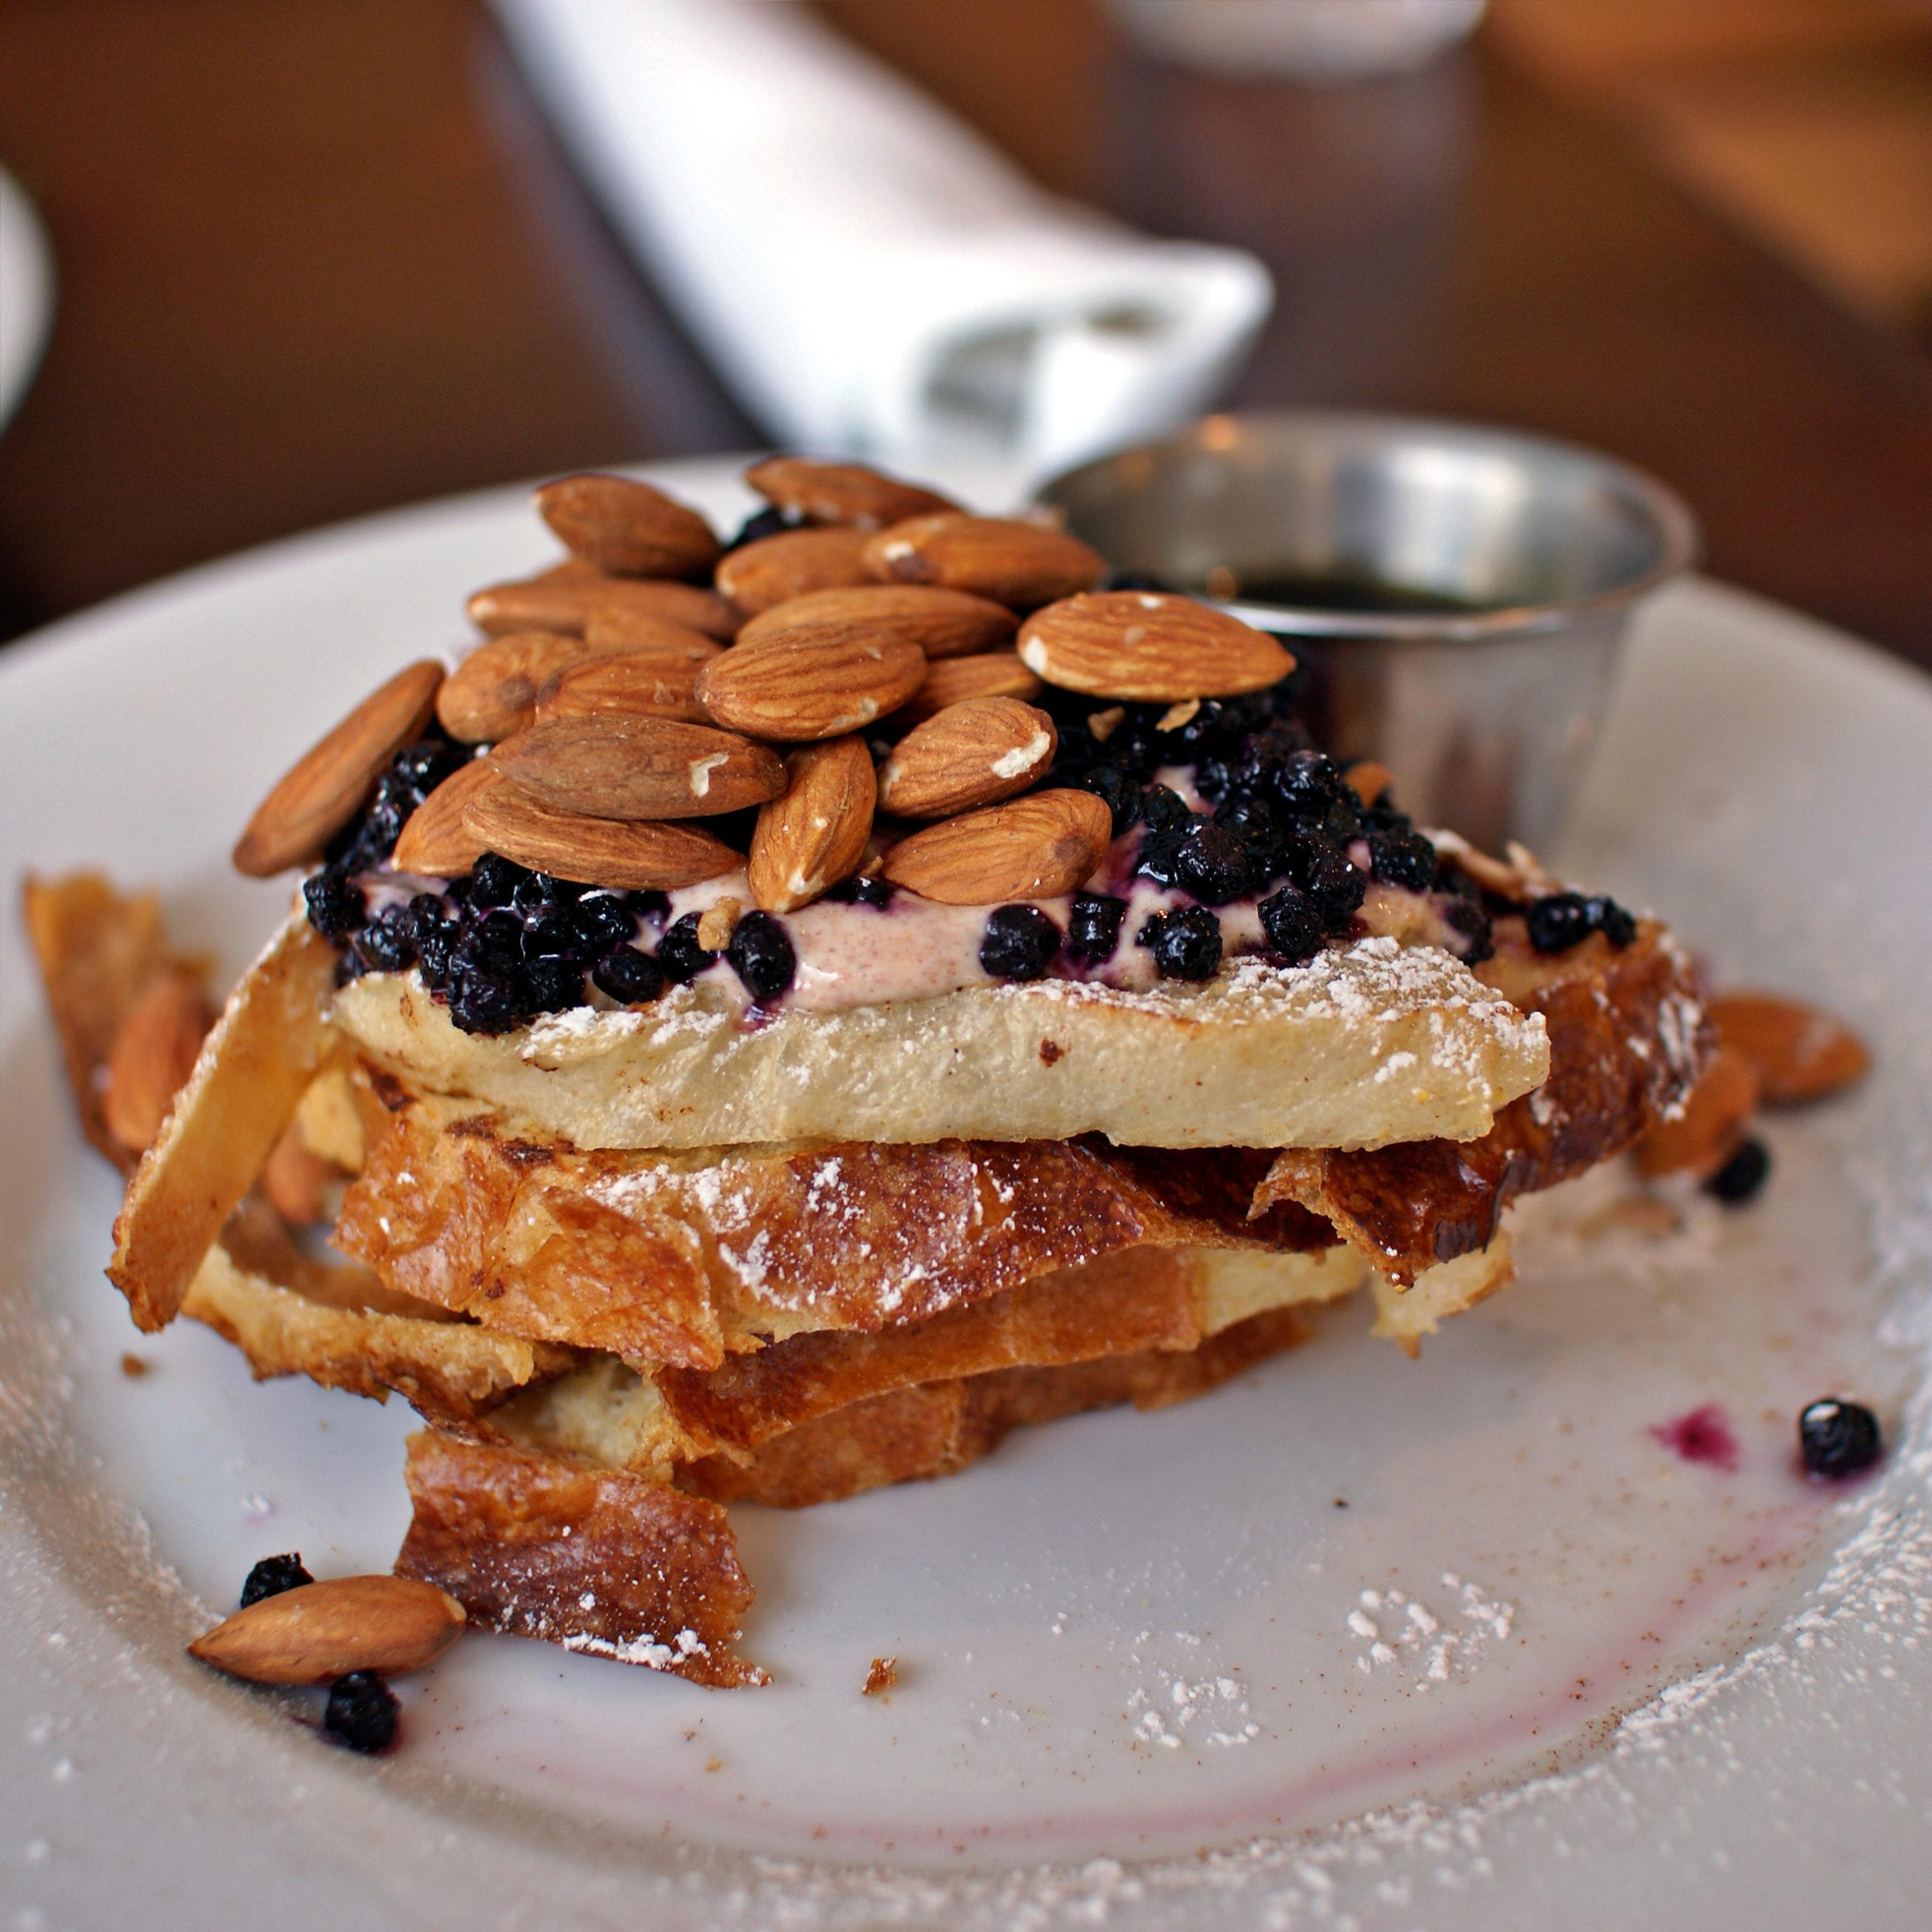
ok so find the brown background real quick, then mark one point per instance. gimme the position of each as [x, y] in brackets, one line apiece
[320, 257]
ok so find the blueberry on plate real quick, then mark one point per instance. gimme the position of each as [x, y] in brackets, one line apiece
[1740, 1177]
[272, 1576]
[362, 1712]
[1837, 1438]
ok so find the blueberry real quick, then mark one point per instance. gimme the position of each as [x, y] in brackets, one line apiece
[542, 893]
[388, 945]
[362, 1712]
[554, 986]
[1018, 942]
[492, 943]
[1740, 1177]
[1293, 923]
[1186, 944]
[1119, 792]
[1838, 1438]
[1211, 863]
[1467, 918]
[1162, 810]
[680, 957]
[1308, 785]
[771, 521]
[1613, 921]
[272, 1576]
[481, 1002]
[549, 935]
[632, 978]
[1137, 579]
[1559, 921]
[1404, 859]
[336, 906]
[424, 766]
[761, 954]
[494, 881]
[601, 921]
[876, 893]
[649, 903]
[1336, 886]
[1093, 928]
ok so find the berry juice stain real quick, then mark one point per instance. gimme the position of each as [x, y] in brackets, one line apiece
[1703, 1435]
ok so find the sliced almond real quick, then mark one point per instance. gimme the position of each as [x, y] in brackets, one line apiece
[1493, 875]
[1797, 1052]
[840, 492]
[436, 842]
[1707, 1132]
[996, 674]
[631, 768]
[318, 1632]
[775, 569]
[1036, 847]
[974, 753]
[592, 851]
[942, 623]
[298, 1181]
[815, 835]
[493, 692]
[717, 922]
[1012, 562]
[628, 528]
[627, 684]
[799, 693]
[328, 784]
[571, 596]
[1151, 647]
[154, 1051]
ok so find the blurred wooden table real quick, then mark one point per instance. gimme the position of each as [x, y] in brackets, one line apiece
[321, 258]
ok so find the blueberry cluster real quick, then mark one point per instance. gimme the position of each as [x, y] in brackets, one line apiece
[1561, 920]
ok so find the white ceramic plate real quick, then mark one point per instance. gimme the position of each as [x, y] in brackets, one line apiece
[1453, 1643]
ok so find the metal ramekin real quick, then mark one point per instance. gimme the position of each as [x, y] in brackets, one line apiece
[1485, 713]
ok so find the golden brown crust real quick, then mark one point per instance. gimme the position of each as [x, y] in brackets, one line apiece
[592, 1559]
[1628, 1040]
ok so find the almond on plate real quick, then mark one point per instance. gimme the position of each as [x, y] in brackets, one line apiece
[569, 596]
[1035, 848]
[1012, 562]
[815, 834]
[619, 767]
[628, 528]
[996, 674]
[1797, 1052]
[632, 684]
[437, 843]
[942, 623]
[318, 1632]
[840, 492]
[493, 692]
[798, 693]
[328, 784]
[154, 1051]
[1149, 647]
[596, 851]
[774, 569]
[974, 753]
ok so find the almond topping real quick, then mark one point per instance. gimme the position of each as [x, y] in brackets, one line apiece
[1104, 724]
[328, 785]
[972, 754]
[641, 683]
[573, 597]
[774, 569]
[815, 835]
[1797, 1053]
[840, 492]
[1038, 846]
[996, 674]
[942, 623]
[298, 1181]
[716, 923]
[1010, 562]
[1176, 716]
[592, 851]
[1707, 1133]
[437, 842]
[627, 529]
[1153, 649]
[318, 1632]
[154, 1052]
[799, 693]
[1368, 780]
[493, 692]
[612, 767]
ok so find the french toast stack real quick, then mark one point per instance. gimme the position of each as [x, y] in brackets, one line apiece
[758, 1039]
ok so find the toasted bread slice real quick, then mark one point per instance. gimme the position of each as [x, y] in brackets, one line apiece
[1364, 1046]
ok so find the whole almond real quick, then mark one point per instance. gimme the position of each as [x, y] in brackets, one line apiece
[942, 623]
[592, 851]
[1704, 1136]
[154, 1051]
[1797, 1052]
[1149, 647]
[1009, 561]
[1035, 848]
[617, 767]
[436, 842]
[493, 692]
[840, 492]
[628, 528]
[615, 628]
[317, 1632]
[775, 569]
[571, 596]
[298, 1181]
[815, 835]
[974, 753]
[996, 674]
[327, 786]
[799, 693]
[629, 684]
